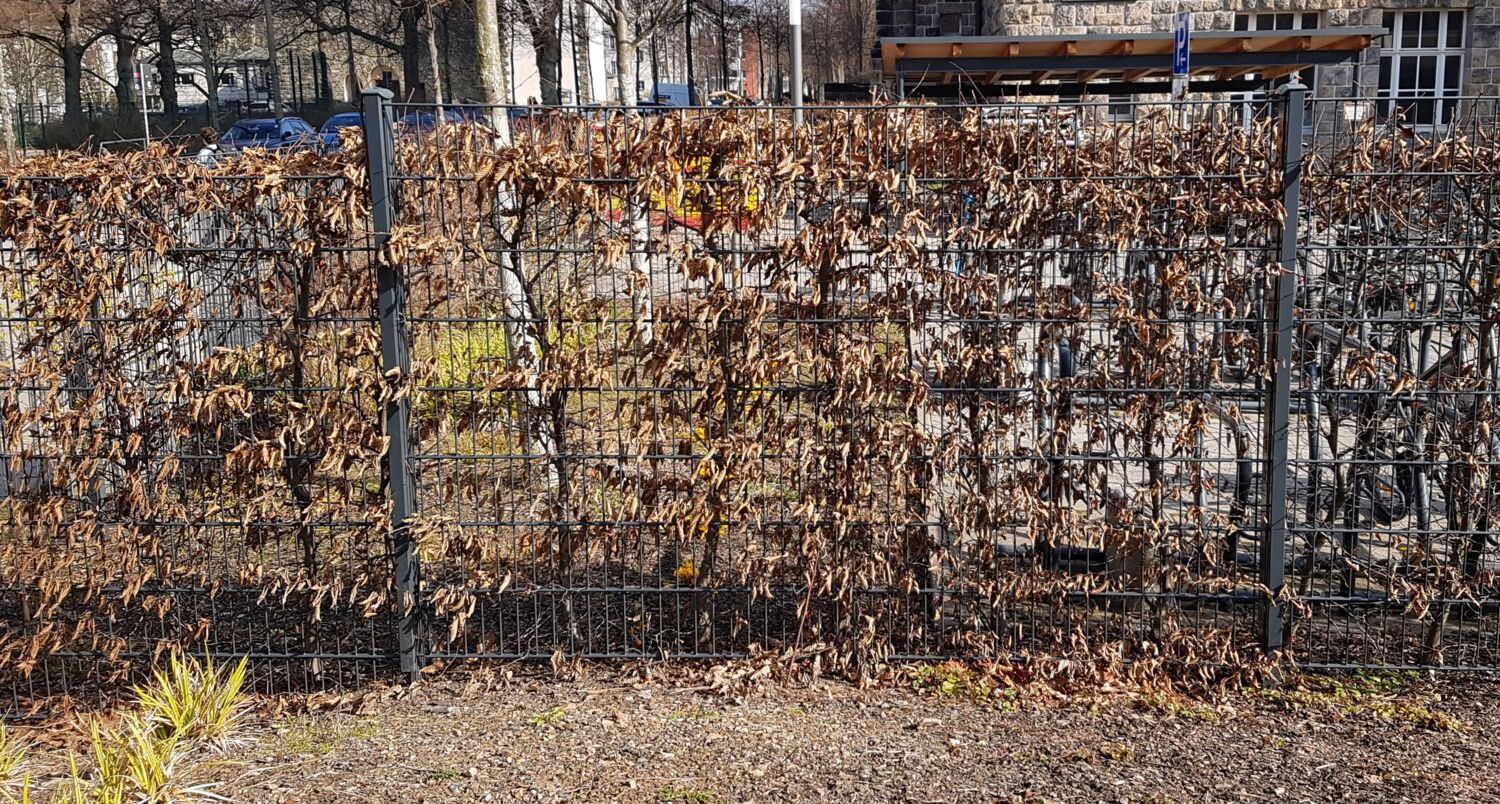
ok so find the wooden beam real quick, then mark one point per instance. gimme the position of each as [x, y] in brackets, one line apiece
[1041, 76]
[1228, 73]
[1135, 75]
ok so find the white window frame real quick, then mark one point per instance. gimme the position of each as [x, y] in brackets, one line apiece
[1120, 108]
[1260, 97]
[1448, 58]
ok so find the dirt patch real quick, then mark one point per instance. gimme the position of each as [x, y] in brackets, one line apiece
[606, 738]
[936, 733]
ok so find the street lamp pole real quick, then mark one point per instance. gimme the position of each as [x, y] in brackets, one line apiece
[688, 35]
[723, 50]
[794, 12]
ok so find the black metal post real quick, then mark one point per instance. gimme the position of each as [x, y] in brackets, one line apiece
[395, 362]
[1278, 416]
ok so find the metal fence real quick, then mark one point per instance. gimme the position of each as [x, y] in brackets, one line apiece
[893, 383]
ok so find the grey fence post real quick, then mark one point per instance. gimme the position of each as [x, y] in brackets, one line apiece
[1278, 418]
[395, 362]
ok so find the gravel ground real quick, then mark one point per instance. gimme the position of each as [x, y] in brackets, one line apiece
[485, 736]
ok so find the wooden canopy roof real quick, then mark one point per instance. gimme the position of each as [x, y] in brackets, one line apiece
[1138, 63]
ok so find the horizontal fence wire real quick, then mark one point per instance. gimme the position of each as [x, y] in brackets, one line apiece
[897, 382]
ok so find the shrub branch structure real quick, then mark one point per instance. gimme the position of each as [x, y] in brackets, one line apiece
[897, 382]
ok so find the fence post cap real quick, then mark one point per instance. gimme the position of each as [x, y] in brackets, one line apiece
[379, 92]
[1294, 85]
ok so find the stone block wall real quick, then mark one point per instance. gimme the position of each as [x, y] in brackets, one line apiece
[928, 18]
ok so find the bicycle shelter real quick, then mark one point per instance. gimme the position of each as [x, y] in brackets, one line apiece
[985, 67]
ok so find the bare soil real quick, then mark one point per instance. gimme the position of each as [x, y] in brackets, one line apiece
[606, 736]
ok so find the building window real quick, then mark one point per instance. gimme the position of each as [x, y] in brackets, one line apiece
[1257, 102]
[184, 79]
[1422, 66]
[1121, 108]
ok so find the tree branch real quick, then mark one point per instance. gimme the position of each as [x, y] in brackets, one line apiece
[12, 33]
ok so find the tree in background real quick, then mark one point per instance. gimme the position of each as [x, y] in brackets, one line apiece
[217, 26]
[543, 19]
[124, 24]
[57, 25]
[394, 26]
[767, 19]
[631, 23]
[839, 36]
[494, 83]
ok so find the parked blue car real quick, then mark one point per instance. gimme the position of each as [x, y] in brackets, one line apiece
[329, 133]
[264, 132]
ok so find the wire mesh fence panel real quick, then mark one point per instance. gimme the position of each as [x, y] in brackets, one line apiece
[187, 422]
[899, 382]
[1393, 459]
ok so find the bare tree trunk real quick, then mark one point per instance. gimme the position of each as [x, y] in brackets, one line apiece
[124, 74]
[583, 63]
[640, 264]
[166, 65]
[72, 56]
[625, 77]
[490, 49]
[210, 64]
[7, 126]
[432, 55]
[411, 61]
[542, 18]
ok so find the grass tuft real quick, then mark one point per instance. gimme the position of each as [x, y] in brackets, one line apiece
[957, 680]
[15, 782]
[320, 735]
[1383, 695]
[194, 701]
[1181, 709]
[694, 714]
[150, 757]
[139, 762]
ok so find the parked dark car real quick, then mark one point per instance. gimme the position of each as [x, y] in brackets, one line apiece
[264, 132]
[329, 133]
[424, 122]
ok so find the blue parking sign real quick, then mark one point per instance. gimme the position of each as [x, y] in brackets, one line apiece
[1181, 33]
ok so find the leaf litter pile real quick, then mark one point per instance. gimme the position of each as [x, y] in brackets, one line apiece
[898, 383]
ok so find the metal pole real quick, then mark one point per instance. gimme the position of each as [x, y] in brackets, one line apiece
[1278, 420]
[395, 362]
[794, 11]
[273, 91]
[723, 50]
[145, 107]
[688, 36]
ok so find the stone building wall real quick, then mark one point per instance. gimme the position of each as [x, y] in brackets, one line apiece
[457, 58]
